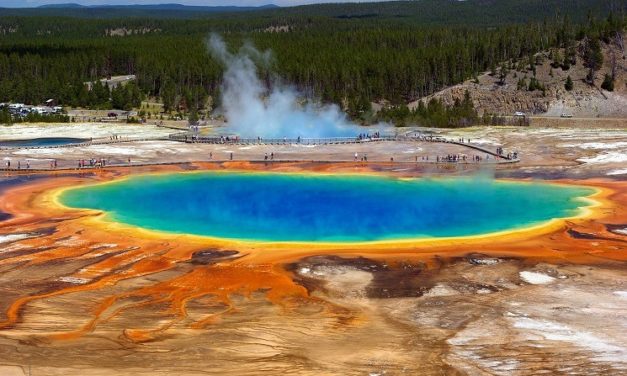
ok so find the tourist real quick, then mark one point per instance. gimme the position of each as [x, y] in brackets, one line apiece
[231, 156]
[355, 157]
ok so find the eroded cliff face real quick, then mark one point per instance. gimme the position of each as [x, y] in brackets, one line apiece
[490, 95]
[495, 99]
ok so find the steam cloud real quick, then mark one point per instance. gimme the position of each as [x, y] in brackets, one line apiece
[253, 110]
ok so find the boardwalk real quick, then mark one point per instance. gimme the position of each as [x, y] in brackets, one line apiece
[289, 151]
[190, 138]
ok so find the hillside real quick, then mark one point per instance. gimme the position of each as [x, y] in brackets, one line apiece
[491, 94]
[157, 11]
[348, 54]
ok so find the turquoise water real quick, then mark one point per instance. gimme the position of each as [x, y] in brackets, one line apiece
[295, 207]
[42, 142]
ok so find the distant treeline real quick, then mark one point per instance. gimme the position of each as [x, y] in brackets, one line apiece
[424, 12]
[350, 54]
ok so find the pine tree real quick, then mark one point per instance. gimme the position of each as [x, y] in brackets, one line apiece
[503, 74]
[608, 83]
[193, 116]
[593, 56]
[569, 84]
[5, 116]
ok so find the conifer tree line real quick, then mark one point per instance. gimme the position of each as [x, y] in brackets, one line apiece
[351, 61]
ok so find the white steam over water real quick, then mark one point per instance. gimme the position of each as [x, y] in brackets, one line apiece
[254, 110]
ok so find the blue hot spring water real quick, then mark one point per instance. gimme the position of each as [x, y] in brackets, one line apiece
[335, 208]
[42, 142]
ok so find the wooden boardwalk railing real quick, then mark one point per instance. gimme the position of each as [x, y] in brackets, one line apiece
[190, 138]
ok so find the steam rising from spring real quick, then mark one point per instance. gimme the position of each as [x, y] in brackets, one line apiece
[254, 110]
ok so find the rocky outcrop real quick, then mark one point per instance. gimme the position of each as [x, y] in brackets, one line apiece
[491, 95]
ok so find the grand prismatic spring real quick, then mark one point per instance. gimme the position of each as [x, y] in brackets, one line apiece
[298, 207]
[354, 267]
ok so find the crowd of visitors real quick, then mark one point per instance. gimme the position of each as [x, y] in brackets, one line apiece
[368, 136]
[93, 162]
